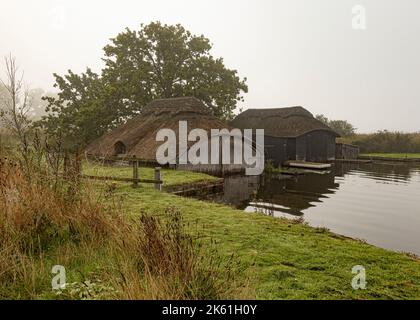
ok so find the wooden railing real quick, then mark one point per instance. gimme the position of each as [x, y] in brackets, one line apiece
[135, 180]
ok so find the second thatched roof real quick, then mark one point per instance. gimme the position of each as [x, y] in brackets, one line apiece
[288, 122]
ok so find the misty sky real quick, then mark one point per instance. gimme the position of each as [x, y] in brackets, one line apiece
[293, 52]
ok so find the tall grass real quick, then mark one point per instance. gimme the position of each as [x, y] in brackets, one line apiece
[169, 263]
[35, 219]
[143, 257]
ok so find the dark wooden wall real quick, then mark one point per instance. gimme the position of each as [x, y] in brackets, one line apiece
[317, 146]
[301, 148]
[276, 150]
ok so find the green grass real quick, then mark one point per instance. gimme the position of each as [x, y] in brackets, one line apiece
[92, 236]
[170, 177]
[287, 260]
[393, 155]
[283, 259]
[279, 258]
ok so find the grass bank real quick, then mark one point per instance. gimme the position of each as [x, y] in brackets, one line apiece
[170, 177]
[285, 259]
[399, 156]
[138, 243]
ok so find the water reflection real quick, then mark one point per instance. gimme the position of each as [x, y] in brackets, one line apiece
[376, 202]
[298, 193]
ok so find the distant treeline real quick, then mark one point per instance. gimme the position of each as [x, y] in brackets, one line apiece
[385, 141]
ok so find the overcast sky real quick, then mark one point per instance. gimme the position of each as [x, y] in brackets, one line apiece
[293, 52]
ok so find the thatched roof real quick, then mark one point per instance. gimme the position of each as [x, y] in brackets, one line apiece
[139, 134]
[280, 122]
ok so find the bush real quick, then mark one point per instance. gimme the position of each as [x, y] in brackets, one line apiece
[6, 143]
[386, 142]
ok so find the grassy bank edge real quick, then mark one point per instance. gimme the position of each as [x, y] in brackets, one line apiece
[289, 260]
[396, 156]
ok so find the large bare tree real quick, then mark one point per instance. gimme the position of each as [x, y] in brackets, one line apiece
[16, 105]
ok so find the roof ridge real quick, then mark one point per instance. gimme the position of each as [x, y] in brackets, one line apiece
[286, 112]
[275, 108]
[176, 105]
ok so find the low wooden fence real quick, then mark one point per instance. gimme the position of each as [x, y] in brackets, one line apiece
[135, 180]
[345, 151]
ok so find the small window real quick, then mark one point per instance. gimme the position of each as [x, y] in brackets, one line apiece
[119, 148]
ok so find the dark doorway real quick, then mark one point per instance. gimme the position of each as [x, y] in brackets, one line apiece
[119, 148]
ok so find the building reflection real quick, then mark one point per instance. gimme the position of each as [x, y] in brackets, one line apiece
[292, 195]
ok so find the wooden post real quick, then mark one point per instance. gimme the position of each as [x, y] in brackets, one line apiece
[158, 176]
[135, 172]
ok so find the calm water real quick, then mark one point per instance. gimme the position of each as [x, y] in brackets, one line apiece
[375, 202]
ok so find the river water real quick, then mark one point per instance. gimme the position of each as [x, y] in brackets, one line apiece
[377, 202]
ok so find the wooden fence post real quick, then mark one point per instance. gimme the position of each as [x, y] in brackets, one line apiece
[158, 176]
[135, 172]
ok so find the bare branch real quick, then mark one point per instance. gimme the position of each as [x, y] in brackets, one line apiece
[18, 104]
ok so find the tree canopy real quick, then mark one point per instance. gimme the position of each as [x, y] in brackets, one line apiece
[342, 127]
[157, 61]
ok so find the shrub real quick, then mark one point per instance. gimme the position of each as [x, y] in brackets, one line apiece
[386, 142]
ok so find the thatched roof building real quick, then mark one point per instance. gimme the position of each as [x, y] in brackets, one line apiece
[138, 136]
[290, 134]
[288, 122]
